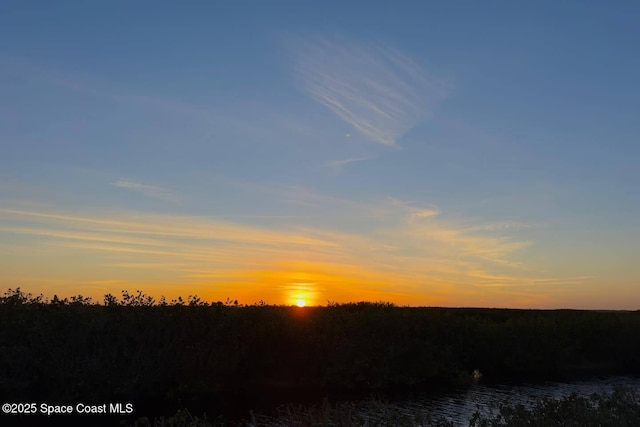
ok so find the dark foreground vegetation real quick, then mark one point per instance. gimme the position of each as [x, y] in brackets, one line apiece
[223, 358]
[619, 409]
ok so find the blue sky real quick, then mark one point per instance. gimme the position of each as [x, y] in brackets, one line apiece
[425, 153]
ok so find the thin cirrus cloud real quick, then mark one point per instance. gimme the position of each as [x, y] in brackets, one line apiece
[147, 190]
[338, 165]
[376, 89]
[98, 86]
[406, 251]
[166, 226]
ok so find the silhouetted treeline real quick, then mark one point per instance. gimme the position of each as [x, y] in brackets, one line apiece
[182, 352]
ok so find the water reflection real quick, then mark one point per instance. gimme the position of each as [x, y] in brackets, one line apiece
[456, 406]
[460, 405]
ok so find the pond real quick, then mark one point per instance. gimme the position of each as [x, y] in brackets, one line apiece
[459, 405]
[455, 405]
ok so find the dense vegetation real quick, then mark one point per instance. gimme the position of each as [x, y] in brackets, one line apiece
[621, 408]
[224, 357]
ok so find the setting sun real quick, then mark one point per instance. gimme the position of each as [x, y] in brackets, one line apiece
[301, 303]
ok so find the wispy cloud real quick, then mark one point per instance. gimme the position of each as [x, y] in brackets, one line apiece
[210, 116]
[502, 226]
[90, 236]
[399, 250]
[161, 226]
[376, 89]
[147, 190]
[338, 165]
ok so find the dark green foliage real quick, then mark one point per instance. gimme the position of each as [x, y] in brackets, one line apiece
[182, 418]
[622, 408]
[221, 355]
[348, 414]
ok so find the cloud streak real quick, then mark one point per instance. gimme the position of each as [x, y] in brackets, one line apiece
[338, 165]
[400, 250]
[146, 190]
[376, 89]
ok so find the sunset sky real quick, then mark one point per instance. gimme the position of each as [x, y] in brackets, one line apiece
[455, 153]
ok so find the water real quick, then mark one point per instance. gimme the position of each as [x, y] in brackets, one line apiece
[460, 405]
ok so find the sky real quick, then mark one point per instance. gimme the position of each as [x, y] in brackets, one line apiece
[451, 154]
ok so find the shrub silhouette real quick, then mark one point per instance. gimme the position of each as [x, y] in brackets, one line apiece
[221, 355]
